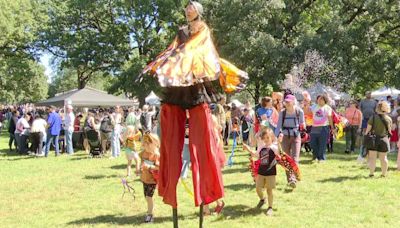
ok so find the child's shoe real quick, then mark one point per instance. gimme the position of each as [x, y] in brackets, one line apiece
[269, 211]
[149, 218]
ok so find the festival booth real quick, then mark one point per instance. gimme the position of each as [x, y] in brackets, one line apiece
[383, 92]
[80, 98]
[86, 97]
[153, 99]
[319, 89]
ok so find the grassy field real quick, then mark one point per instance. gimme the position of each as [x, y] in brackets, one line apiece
[77, 191]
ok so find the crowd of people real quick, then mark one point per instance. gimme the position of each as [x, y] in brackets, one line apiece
[34, 130]
[278, 121]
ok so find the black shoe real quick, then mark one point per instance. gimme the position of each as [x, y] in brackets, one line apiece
[261, 203]
[347, 152]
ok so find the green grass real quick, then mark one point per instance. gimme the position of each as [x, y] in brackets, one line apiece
[76, 191]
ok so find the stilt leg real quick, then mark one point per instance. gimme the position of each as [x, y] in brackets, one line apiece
[201, 216]
[175, 217]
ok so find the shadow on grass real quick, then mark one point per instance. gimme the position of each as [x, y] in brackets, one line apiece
[8, 153]
[113, 220]
[228, 170]
[342, 178]
[240, 187]
[123, 166]
[135, 220]
[239, 210]
[97, 177]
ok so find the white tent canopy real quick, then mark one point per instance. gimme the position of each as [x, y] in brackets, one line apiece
[319, 89]
[153, 99]
[237, 103]
[385, 91]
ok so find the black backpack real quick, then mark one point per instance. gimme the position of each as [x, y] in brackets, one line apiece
[106, 126]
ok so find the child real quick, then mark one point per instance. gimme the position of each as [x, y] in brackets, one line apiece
[150, 157]
[267, 170]
[220, 157]
[130, 140]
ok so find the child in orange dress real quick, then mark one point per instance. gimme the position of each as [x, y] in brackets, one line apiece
[150, 158]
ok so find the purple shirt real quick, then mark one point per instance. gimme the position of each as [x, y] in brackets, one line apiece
[54, 120]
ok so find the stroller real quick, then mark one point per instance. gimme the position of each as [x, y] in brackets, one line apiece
[94, 141]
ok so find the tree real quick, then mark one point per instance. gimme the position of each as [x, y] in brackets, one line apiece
[22, 79]
[87, 36]
[152, 26]
[65, 80]
[267, 38]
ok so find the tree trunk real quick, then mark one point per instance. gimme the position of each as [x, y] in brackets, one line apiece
[82, 80]
[257, 94]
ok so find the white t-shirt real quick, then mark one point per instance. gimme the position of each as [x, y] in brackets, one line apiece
[69, 121]
[39, 125]
[321, 115]
[22, 127]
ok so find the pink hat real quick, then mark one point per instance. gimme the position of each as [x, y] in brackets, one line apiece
[290, 98]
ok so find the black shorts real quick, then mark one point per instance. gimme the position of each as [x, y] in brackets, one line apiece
[149, 189]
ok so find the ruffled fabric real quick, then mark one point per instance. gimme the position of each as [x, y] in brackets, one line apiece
[191, 60]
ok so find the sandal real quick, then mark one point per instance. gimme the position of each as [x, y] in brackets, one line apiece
[371, 175]
[219, 208]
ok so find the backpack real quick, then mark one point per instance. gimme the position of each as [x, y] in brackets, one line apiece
[297, 118]
[105, 125]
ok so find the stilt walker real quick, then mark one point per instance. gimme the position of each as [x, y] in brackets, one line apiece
[189, 71]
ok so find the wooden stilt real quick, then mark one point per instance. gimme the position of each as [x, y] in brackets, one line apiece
[175, 217]
[201, 216]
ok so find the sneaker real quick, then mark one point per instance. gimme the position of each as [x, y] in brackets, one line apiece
[269, 211]
[371, 175]
[261, 203]
[149, 218]
[40, 155]
[347, 152]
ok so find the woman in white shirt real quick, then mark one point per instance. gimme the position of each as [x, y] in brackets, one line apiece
[22, 133]
[38, 133]
[322, 120]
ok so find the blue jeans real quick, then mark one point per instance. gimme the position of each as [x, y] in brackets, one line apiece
[68, 141]
[319, 139]
[52, 139]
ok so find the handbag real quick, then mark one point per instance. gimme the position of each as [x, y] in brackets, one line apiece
[370, 138]
[374, 142]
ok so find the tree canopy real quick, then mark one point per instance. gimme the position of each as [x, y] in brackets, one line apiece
[352, 45]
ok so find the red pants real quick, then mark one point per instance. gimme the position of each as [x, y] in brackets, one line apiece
[206, 171]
